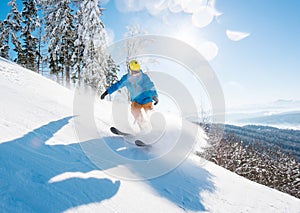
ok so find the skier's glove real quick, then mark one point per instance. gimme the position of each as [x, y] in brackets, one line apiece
[155, 100]
[103, 95]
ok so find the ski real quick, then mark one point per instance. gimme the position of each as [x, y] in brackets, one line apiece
[136, 142]
[118, 132]
[140, 143]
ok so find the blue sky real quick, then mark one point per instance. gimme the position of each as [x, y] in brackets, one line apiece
[253, 46]
[260, 68]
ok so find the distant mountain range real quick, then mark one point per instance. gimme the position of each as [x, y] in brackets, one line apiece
[280, 113]
[279, 104]
[292, 118]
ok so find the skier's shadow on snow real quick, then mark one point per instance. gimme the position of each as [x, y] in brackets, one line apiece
[182, 186]
[27, 164]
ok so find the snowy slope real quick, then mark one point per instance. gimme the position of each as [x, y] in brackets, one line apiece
[44, 169]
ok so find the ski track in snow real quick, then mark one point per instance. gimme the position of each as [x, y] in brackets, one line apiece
[44, 169]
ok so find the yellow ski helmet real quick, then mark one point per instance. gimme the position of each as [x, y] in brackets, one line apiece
[134, 66]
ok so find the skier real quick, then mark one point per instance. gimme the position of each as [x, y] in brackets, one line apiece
[141, 89]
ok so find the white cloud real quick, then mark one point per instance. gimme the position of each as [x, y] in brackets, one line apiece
[178, 18]
[154, 7]
[236, 35]
[211, 4]
[203, 17]
[130, 5]
[192, 6]
[203, 11]
[175, 6]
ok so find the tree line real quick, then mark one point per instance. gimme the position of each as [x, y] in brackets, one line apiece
[258, 161]
[68, 37]
[286, 139]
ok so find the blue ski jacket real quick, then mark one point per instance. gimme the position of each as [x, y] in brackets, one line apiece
[140, 87]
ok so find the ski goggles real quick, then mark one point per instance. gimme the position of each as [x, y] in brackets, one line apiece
[134, 72]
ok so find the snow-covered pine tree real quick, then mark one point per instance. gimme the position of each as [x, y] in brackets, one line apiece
[14, 20]
[132, 44]
[77, 56]
[93, 37]
[67, 45]
[111, 74]
[50, 35]
[29, 55]
[59, 32]
[4, 39]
